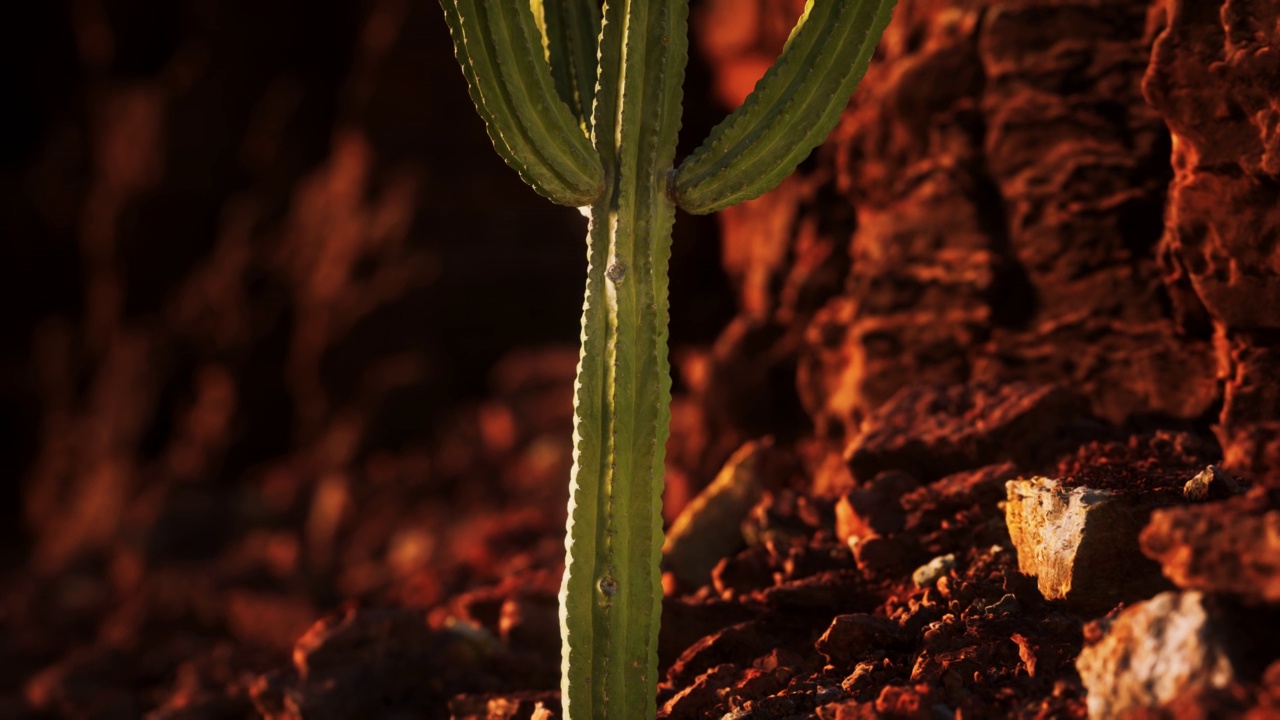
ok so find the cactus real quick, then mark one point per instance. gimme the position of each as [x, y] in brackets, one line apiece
[585, 105]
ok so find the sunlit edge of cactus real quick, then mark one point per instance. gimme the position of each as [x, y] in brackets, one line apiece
[622, 392]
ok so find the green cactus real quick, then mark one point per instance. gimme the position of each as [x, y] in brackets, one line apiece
[585, 105]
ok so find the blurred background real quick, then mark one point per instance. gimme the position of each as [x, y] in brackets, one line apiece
[261, 269]
[231, 227]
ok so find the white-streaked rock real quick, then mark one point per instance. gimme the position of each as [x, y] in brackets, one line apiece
[1081, 544]
[1152, 652]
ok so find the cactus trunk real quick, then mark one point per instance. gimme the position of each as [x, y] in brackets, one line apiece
[536, 114]
[611, 597]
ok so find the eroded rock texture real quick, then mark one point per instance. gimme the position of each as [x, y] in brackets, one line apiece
[1007, 177]
[993, 207]
[1034, 194]
[1213, 78]
[1226, 547]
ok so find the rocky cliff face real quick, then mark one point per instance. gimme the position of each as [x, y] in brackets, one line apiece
[1213, 78]
[1072, 193]
[1030, 204]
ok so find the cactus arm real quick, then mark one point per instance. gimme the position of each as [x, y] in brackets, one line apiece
[792, 109]
[572, 31]
[611, 596]
[499, 47]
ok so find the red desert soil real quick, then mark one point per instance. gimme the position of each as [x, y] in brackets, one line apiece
[990, 390]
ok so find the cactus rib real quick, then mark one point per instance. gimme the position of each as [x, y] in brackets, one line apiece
[572, 32]
[792, 109]
[500, 50]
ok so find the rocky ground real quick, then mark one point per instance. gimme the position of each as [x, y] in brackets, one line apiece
[976, 416]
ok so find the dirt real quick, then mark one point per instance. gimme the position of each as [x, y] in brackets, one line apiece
[291, 441]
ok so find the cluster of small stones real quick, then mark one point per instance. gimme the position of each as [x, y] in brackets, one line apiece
[1085, 547]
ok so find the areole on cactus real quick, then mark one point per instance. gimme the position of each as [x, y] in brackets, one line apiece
[585, 105]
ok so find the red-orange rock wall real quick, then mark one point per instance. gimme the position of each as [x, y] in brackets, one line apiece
[1069, 192]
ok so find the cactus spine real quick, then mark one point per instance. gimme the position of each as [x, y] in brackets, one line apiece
[586, 108]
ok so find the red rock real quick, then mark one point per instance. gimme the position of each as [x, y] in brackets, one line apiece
[834, 590]
[831, 478]
[962, 663]
[271, 619]
[857, 636]
[734, 644]
[694, 702]
[878, 555]
[1026, 652]
[984, 488]
[512, 706]
[1207, 77]
[1250, 424]
[914, 703]
[1156, 465]
[849, 710]
[874, 508]
[685, 622]
[1232, 546]
[86, 684]
[931, 432]
[370, 662]
[762, 683]
[862, 678]
[1007, 210]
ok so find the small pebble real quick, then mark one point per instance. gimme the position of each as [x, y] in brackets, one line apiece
[926, 575]
[1210, 484]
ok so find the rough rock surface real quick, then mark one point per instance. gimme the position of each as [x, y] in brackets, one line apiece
[1165, 648]
[1006, 188]
[995, 202]
[1212, 78]
[1211, 484]
[1080, 543]
[930, 431]
[1230, 547]
[368, 662]
[874, 508]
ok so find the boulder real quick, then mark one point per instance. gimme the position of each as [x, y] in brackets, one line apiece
[1080, 543]
[1171, 645]
[1230, 547]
